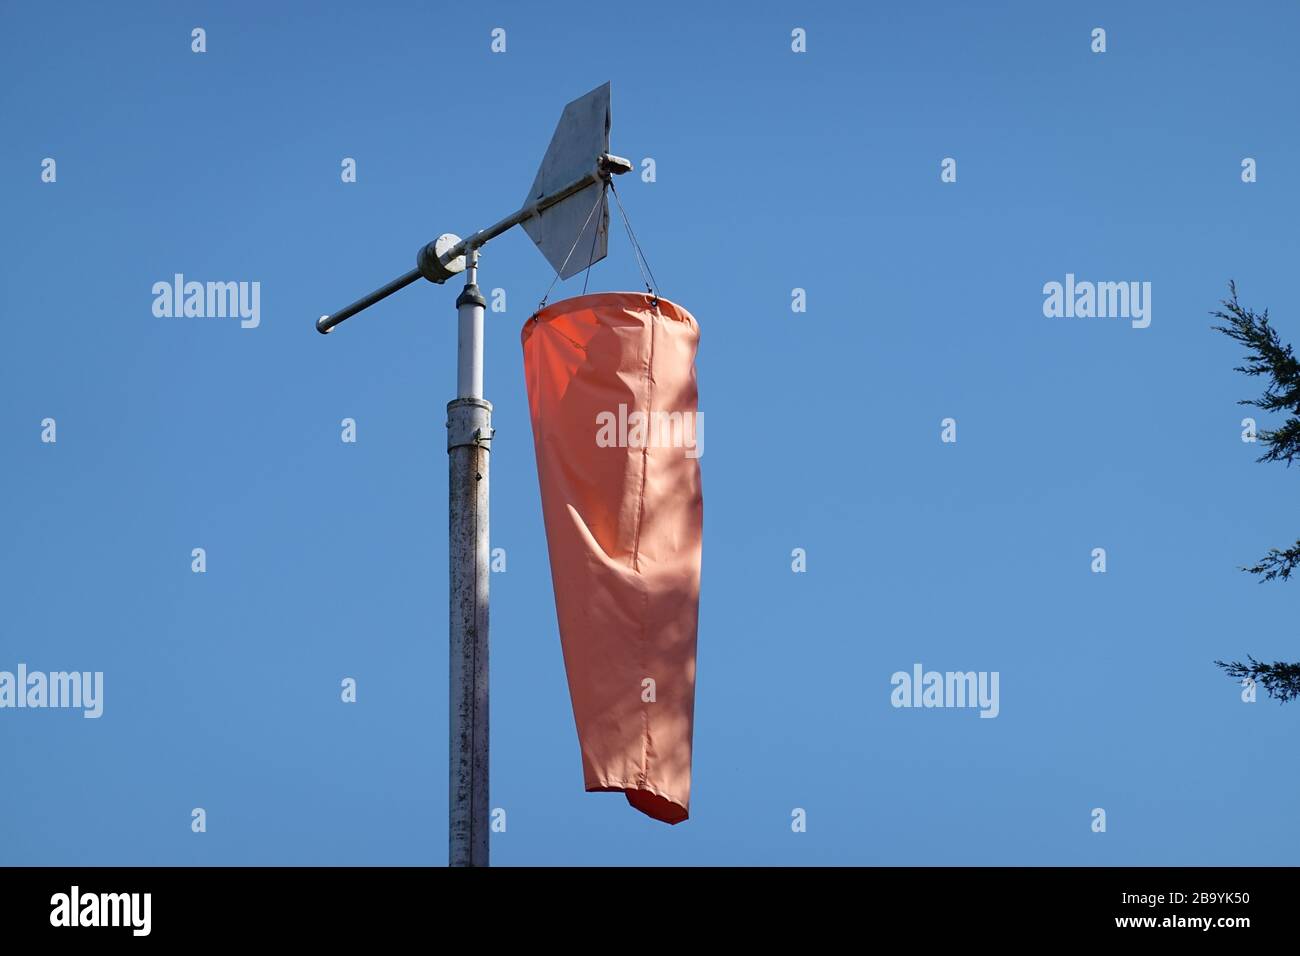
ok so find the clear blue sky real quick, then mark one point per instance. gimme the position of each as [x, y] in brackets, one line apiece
[775, 170]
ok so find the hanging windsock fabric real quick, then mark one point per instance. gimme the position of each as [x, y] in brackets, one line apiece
[618, 436]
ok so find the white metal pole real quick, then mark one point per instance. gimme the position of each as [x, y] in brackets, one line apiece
[469, 344]
[469, 436]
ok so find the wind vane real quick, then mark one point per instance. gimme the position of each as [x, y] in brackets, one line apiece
[559, 214]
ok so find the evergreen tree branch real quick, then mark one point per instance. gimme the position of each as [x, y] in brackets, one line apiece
[1280, 680]
[1277, 564]
[1269, 356]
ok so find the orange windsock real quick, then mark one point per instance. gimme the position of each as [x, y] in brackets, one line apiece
[618, 435]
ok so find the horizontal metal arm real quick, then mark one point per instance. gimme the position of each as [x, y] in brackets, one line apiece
[327, 322]
[606, 166]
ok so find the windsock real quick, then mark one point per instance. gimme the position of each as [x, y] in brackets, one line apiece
[618, 438]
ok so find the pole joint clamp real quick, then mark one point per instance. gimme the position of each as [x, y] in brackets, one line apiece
[469, 422]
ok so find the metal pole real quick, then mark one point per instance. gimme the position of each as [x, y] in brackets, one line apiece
[469, 436]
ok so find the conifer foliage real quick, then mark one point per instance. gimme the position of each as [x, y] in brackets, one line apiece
[1269, 357]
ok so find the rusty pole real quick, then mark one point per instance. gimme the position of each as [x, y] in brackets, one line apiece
[469, 437]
